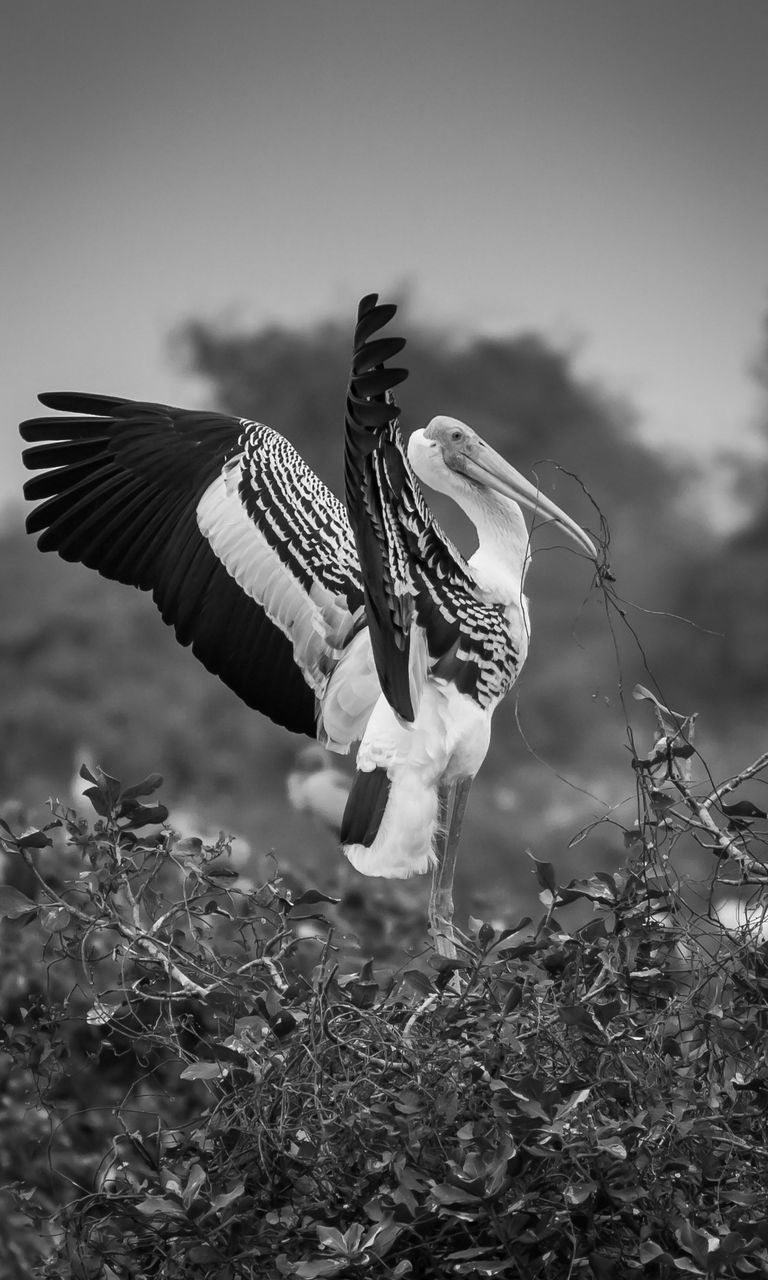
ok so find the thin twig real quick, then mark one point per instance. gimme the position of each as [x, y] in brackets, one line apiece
[732, 783]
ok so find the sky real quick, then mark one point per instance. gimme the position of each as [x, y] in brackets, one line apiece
[595, 170]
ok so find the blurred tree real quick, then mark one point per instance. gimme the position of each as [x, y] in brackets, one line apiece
[726, 590]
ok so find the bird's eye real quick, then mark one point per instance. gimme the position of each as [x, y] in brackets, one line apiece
[456, 435]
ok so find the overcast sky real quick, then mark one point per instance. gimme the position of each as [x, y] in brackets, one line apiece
[597, 169]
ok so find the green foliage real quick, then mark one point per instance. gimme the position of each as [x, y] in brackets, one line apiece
[205, 1078]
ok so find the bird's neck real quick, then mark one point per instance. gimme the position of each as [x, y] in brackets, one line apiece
[500, 563]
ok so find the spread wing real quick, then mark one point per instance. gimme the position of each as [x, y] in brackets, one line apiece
[422, 603]
[247, 554]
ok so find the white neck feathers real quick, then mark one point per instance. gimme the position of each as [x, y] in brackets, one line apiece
[500, 563]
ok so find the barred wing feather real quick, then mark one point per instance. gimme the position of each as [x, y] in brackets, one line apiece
[420, 595]
[247, 554]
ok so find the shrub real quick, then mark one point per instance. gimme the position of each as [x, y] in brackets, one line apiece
[206, 1078]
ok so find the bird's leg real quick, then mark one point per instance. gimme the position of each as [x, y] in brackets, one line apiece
[441, 894]
[452, 801]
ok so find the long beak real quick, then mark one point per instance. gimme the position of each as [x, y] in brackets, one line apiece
[487, 467]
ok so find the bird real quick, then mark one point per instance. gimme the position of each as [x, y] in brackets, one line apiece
[315, 787]
[356, 622]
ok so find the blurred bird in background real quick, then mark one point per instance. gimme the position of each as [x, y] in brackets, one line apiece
[316, 787]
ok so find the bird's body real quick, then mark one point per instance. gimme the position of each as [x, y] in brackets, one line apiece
[447, 741]
[348, 623]
[449, 737]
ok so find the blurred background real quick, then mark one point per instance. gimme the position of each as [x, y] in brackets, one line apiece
[570, 205]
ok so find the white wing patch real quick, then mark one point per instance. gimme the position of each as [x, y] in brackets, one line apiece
[317, 622]
[352, 693]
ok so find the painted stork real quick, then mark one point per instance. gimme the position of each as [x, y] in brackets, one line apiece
[359, 625]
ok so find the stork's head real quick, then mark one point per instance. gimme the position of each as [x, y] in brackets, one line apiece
[452, 458]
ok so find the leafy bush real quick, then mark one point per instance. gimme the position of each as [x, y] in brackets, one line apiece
[206, 1078]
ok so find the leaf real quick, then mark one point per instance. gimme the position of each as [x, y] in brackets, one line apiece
[34, 839]
[160, 1206]
[614, 1147]
[14, 904]
[54, 919]
[513, 998]
[604, 1267]
[598, 888]
[626, 1195]
[746, 1198]
[649, 1251]
[311, 897]
[109, 785]
[743, 809]
[86, 774]
[212, 908]
[143, 788]
[490, 1268]
[444, 1193]
[447, 965]
[698, 1243]
[576, 1015]
[362, 987]
[226, 1198]
[330, 1238]
[672, 719]
[102, 1010]
[204, 1071]
[607, 1011]
[190, 844]
[486, 935]
[661, 801]
[319, 1267]
[269, 1005]
[382, 1236]
[147, 816]
[363, 994]
[575, 1100]
[143, 815]
[419, 981]
[545, 874]
[97, 800]
[507, 941]
[202, 1254]
[641, 694]
[578, 1192]
[194, 1183]
[283, 1024]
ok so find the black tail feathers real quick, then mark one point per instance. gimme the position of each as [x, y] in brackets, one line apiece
[365, 807]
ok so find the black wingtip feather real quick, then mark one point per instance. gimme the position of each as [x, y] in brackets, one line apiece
[372, 316]
[36, 429]
[370, 404]
[81, 402]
